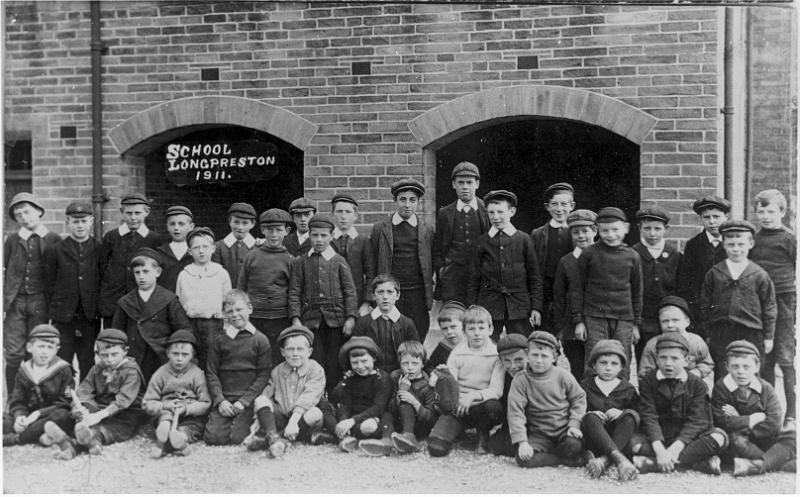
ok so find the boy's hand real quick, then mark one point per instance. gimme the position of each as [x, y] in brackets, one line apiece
[580, 332]
[729, 410]
[574, 432]
[343, 427]
[432, 379]
[601, 415]
[238, 407]
[79, 412]
[260, 241]
[663, 458]
[408, 397]
[525, 451]
[93, 418]
[226, 409]
[20, 424]
[292, 430]
[179, 409]
[613, 413]
[636, 334]
[364, 309]
[168, 405]
[536, 318]
[675, 450]
[757, 417]
[349, 323]
[768, 344]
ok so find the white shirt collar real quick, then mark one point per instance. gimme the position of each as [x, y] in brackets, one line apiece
[555, 224]
[606, 386]
[326, 254]
[394, 314]
[352, 233]
[683, 376]
[473, 204]
[732, 386]
[576, 252]
[655, 250]
[145, 294]
[142, 230]
[231, 331]
[25, 233]
[248, 240]
[179, 249]
[508, 230]
[302, 237]
[396, 219]
[736, 268]
[712, 239]
[209, 269]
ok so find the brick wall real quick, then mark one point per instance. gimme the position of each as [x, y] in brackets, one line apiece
[663, 60]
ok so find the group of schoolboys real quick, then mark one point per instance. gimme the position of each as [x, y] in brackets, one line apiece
[305, 334]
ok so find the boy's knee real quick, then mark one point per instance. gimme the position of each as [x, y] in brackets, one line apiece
[369, 426]
[261, 402]
[438, 447]
[570, 447]
[719, 436]
[313, 417]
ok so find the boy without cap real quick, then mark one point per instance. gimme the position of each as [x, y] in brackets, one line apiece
[73, 272]
[175, 253]
[458, 226]
[505, 275]
[356, 249]
[299, 242]
[737, 300]
[230, 251]
[25, 293]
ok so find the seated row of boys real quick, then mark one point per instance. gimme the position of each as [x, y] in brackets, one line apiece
[547, 417]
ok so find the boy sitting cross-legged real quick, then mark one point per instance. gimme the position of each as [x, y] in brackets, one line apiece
[513, 351]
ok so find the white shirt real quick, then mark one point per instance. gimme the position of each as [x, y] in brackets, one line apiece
[397, 219]
[302, 237]
[736, 268]
[655, 250]
[179, 249]
[352, 233]
[231, 330]
[508, 230]
[326, 254]
[248, 240]
[714, 241]
[40, 230]
[472, 205]
[142, 230]
[606, 386]
[576, 252]
[394, 314]
[145, 294]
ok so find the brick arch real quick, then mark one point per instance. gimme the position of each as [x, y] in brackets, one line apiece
[466, 114]
[157, 125]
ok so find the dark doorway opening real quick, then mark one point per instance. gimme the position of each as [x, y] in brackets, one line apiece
[209, 202]
[528, 155]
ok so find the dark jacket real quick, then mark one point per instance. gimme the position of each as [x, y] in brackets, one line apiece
[659, 277]
[293, 245]
[382, 248]
[46, 395]
[445, 220]
[117, 279]
[428, 411]
[171, 267]
[226, 256]
[766, 401]
[674, 413]
[623, 397]
[748, 301]
[540, 237]
[116, 390]
[566, 278]
[698, 257]
[362, 397]
[401, 331]
[362, 264]
[72, 278]
[332, 295]
[14, 257]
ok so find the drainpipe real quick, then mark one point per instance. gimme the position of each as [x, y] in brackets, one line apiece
[98, 197]
[728, 106]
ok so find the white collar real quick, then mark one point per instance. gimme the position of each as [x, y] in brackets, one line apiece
[40, 230]
[508, 230]
[209, 269]
[248, 240]
[302, 237]
[396, 219]
[142, 230]
[555, 224]
[326, 254]
[683, 376]
[473, 204]
[736, 268]
[606, 386]
[394, 314]
[232, 332]
[712, 239]
[732, 386]
[576, 252]
[179, 249]
[352, 233]
[146, 294]
[651, 248]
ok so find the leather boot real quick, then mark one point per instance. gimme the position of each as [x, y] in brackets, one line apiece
[625, 468]
[711, 466]
[747, 467]
[645, 464]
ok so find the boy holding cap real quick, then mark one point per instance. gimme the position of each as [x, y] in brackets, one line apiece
[230, 251]
[660, 263]
[356, 249]
[73, 272]
[298, 242]
[118, 248]
[737, 300]
[505, 275]
[175, 254]
[458, 226]
[24, 280]
[701, 252]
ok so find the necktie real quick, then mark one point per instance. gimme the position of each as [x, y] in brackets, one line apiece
[344, 245]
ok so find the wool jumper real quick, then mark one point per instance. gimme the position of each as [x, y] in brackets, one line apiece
[776, 252]
[238, 368]
[363, 397]
[265, 274]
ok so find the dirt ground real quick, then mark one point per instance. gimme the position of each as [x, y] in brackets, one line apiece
[126, 468]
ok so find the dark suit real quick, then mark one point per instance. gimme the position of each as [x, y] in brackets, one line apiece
[698, 257]
[399, 332]
[171, 267]
[116, 274]
[293, 245]
[358, 254]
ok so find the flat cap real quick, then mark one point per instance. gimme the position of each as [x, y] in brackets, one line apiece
[581, 217]
[275, 216]
[182, 336]
[198, 231]
[114, 336]
[321, 221]
[404, 184]
[543, 338]
[344, 197]
[242, 210]
[148, 252]
[360, 342]
[506, 195]
[177, 210]
[711, 202]
[734, 226]
[465, 169]
[512, 342]
[653, 212]
[611, 214]
[24, 197]
[607, 347]
[295, 331]
[672, 339]
[742, 347]
[557, 187]
[674, 301]
[46, 331]
[134, 199]
[302, 204]
[454, 305]
[79, 209]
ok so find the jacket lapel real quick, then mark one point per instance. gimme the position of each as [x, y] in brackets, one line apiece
[158, 301]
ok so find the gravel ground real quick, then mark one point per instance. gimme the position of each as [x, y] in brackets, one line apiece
[126, 468]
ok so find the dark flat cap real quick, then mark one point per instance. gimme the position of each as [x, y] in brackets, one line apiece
[742, 347]
[182, 336]
[607, 347]
[302, 204]
[543, 338]
[611, 214]
[737, 226]
[453, 304]
[344, 197]
[674, 301]
[134, 199]
[405, 184]
[44, 331]
[711, 202]
[465, 169]
[275, 216]
[321, 221]
[512, 342]
[198, 231]
[113, 336]
[177, 210]
[506, 195]
[581, 217]
[557, 187]
[295, 331]
[242, 210]
[653, 212]
[24, 197]
[360, 342]
[148, 252]
[79, 209]
[672, 339]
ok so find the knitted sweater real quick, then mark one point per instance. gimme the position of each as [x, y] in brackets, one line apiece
[189, 387]
[113, 389]
[265, 275]
[362, 397]
[477, 370]
[238, 368]
[776, 252]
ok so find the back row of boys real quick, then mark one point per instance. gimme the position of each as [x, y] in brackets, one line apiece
[555, 278]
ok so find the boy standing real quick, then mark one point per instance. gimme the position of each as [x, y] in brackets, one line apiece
[737, 301]
[73, 268]
[298, 242]
[401, 245]
[607, 299]
[356, 250]
[458, 226]
[24, 282]
[775, 250]
[230, 251]
[175, 254]
[505, 275]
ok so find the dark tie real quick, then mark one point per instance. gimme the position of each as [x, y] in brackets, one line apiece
[344, 245]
